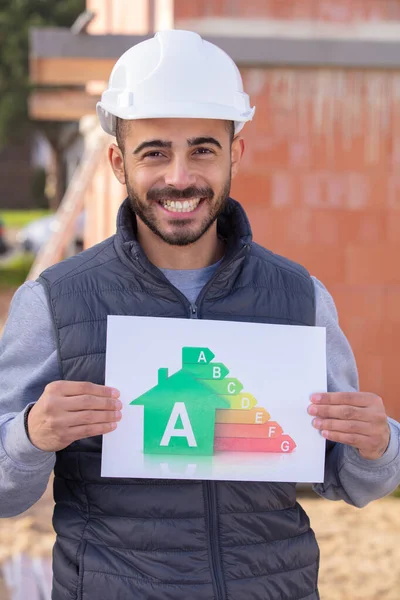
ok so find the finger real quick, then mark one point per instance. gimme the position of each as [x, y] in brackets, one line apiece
[81, 388]
[343, 412]
[91, 417]
[85, 431]
[363, 399]
[350, 439]
[357, 427]
[87, 402]
[368, 448]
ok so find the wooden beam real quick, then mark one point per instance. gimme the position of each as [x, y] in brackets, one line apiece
[61, 105]
[69, 70]
[52, 45]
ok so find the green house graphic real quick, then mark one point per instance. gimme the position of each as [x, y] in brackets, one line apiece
[199, 410]
[179, 412]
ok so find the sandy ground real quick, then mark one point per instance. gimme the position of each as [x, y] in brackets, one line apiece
[360, 549]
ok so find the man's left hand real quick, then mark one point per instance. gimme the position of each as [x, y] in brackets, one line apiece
[354, 418]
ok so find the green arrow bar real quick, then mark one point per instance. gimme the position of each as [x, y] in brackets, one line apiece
[230, 386]
[210, 371]
[241, 401]
[196, 356]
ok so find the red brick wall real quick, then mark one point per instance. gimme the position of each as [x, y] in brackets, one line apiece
[321, 179]
[342, 11]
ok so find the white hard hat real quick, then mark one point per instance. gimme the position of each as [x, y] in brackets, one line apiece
[174, 74]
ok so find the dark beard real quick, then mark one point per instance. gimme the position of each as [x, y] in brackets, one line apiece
[183, 235]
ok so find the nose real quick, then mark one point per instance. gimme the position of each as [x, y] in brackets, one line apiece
[179, 174]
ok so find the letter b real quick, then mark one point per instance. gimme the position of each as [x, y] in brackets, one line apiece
[216, 373]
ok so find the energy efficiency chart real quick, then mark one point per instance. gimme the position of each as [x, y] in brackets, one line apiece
[199, 410]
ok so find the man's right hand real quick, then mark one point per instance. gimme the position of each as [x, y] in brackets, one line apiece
[70, 410]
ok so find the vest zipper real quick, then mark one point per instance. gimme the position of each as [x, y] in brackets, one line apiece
[216, 566]
[209, 487]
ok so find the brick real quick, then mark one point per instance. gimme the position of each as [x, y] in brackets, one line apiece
[391, 401]
[344, 226]
[391, 336]
[393, 192]
[327, 265]
[252, 188]
[331, 190]
[390, 394]
[274, 228]
[366, 337]
[393, 227]
[378, 264]
[371, 373]
[366, 302]
[276, 189]
[392, 304]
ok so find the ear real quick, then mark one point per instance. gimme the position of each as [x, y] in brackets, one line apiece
[116, 160]
[237, 151]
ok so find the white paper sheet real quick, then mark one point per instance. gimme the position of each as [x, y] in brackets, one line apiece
[163, 434]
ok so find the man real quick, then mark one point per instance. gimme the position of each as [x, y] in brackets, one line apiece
[182, 249]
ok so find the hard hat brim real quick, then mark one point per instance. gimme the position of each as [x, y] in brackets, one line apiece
[107, 115]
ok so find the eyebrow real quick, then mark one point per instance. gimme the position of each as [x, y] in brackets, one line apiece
[197, 141]
[152, 144]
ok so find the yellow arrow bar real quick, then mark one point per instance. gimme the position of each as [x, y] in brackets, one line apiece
[254, 416]
[241, 401]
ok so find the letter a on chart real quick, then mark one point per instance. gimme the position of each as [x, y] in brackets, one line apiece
[179, 410]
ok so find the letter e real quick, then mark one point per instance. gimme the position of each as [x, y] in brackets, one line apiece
[258, 418]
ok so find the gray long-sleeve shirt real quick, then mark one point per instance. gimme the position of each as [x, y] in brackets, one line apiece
[28, 362]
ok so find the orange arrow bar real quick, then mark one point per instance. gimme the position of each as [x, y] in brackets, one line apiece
[282, 444]
[252, 416]
[271, 429]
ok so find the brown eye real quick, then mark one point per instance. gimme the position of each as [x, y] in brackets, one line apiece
[203, 151]
[154, 154]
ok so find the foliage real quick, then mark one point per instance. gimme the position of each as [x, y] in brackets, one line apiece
[39, 187]
[15, 219]
[14, 272]
[16, 19]
[396, 493]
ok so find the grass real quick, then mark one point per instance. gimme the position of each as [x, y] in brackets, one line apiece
[15, 219]
[14, 272]
[396, 493]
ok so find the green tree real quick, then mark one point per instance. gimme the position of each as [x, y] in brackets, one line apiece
[16, 19]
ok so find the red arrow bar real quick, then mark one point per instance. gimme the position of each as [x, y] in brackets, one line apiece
[283, 444]
[269, 429]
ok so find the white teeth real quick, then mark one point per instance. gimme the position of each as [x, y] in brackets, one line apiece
[178, 206]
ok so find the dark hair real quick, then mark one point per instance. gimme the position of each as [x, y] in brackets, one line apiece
[122, 125]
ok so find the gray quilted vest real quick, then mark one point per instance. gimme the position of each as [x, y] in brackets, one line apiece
[135, 539]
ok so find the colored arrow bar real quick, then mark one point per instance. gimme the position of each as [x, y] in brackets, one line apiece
[282, 444]
[228, 386]
[198, 356]
[252, 416]
[241, 401]
[271, 429]
[210, 371]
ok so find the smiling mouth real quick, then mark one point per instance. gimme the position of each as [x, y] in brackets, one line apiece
[181, 206]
